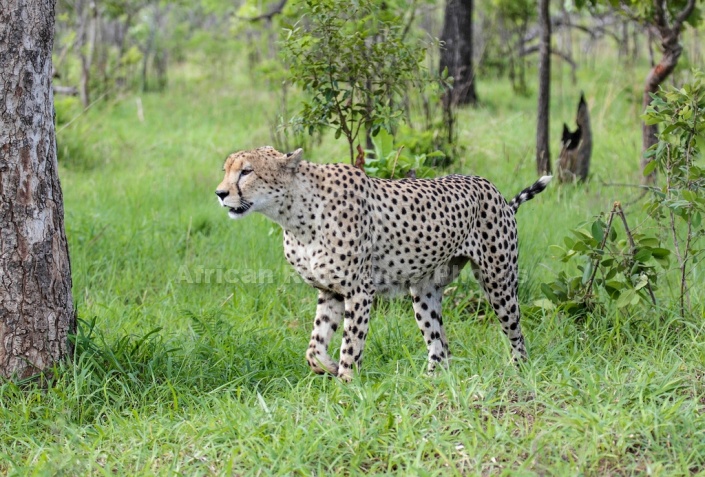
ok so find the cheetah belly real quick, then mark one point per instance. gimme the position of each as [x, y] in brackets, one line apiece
[311, 262]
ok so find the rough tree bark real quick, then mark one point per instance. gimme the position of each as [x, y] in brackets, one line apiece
[669, 35]
[543, 154]
[36, 308]
[457, 53]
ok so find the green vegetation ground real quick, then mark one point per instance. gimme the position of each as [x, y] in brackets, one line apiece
[177, 377]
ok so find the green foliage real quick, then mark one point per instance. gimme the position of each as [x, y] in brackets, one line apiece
[612, 269]
[429, 142]
[390, 161]
[71, 150]
[626, 270]
[679, 204]
[132, 57]
[66, 109]
[515, 11]
[508, 21]
[352, 60]
[643, 10]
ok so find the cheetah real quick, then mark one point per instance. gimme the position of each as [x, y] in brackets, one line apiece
[351, 237]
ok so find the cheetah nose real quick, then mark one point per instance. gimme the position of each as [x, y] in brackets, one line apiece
[222, 194]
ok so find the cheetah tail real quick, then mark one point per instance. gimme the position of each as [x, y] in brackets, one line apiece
[529, 193]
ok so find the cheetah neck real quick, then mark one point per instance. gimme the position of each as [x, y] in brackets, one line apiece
[297, 207]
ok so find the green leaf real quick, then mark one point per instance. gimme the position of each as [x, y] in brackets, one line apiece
[626, 298]
[660, 252]
[545, 304]
[587, 272]
[582, 234]
[648, 241]
[546, 290]
[598, 231]
[643, 281]
[650, 167]
[581, 246]
[615, 285]
[689, 195]
[642, 255]
[612, 293]
[669, 128]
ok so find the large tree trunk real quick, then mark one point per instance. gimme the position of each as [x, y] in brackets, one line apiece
[543, 155]
[36, 308]
[457, 53]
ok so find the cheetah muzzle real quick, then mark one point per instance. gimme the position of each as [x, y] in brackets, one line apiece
[351, 237]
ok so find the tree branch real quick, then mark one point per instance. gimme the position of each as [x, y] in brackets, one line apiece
[564, 56]
[276, 10]
[683, 15]
[594, 31]
[659, 15]
[68, 90]
[412, 17]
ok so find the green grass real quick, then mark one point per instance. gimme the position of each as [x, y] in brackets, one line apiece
[172, 376]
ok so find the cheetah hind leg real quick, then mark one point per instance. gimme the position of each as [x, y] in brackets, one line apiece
[329, 313]
[427, 310]
[501, 288]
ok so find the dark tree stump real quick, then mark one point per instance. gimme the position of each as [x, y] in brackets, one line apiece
[576, 147]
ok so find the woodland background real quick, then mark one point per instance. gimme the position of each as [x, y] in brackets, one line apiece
[188, 352]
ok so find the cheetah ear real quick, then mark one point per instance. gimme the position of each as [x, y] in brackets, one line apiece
[292, 159]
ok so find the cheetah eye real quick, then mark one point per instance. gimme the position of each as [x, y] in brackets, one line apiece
[244, 172]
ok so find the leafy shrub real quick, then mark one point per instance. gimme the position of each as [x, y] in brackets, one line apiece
[354, 63]
[612, 268]
[626, 270]
[680, 202]
[390, 161]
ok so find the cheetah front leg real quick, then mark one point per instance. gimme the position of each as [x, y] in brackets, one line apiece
[355, 326]
[427, 310]
[329, 313]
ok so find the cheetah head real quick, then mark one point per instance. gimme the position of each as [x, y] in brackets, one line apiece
[256, 180]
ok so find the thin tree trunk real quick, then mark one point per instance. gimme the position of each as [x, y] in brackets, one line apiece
[86, 48]
[672, 49]
[122, 34]
[161, 55]
[543, 155]
[149, 47]
[656, 76]
[624, 40]
[635, 43]
[36, 308]
[457, 53]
